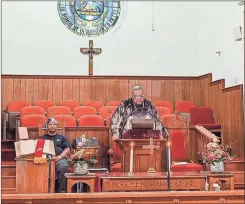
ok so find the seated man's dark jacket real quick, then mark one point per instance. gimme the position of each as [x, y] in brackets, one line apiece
[60, 142]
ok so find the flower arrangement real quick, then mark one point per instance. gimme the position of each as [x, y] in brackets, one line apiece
[213, 152]
[85, 149]
[87, 154]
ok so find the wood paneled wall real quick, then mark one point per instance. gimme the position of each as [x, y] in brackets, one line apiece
[227, 102]
[228, 109]
[105, 88]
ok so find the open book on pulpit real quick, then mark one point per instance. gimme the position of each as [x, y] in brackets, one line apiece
[27, 147]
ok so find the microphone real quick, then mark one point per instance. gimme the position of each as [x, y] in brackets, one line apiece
[157, 119]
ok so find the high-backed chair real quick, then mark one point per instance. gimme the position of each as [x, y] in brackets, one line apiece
[178, 129]
[179, 154]
[184, 106]
[113, 103]
[58, 110]
[163, 111]
[94, 103]
[70, 103]
[32, 110]
[91, 120]
[44, 103]
[105, 111]
[166, 104]
[84, 110]
[33, 120]
[11, 115]
[66, 120]
[203, 116]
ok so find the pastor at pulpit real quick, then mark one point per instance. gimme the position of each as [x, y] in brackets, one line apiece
[62, 149]
[136, 107]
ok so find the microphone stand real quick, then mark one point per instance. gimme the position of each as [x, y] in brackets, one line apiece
[168, 149]
[49, 173]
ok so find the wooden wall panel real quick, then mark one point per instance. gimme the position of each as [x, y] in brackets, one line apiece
[233, 118]
[215, 98]
[168, 90]
[123, 90]
[205, 81]
[178, 91]
[57, 90]
[17, 89]
[7, 92]
[98, 88]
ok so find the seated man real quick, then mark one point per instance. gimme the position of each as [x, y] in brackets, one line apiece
[136, 107]
[62, 149]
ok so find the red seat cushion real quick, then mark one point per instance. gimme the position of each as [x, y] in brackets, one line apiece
[186, 167]
[211, 126]
[116, 167]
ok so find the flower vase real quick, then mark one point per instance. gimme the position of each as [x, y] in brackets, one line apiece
[217, 167]
[80, 167]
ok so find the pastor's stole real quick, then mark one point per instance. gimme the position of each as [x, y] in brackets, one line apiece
[38, 159]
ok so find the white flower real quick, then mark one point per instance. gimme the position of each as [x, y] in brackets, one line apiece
[214, 145]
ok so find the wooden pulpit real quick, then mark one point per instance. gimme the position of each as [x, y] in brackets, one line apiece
[34, 178]
[144, 154]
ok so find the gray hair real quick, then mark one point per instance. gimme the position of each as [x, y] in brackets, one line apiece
[136, 88]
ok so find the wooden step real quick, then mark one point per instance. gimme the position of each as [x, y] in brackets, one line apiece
[8, 181]
[8, 190]
[8, 154]
[8, 169]
[7, 144]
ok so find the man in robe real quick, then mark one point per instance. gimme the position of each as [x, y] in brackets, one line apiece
[136, 107]
[62, 149]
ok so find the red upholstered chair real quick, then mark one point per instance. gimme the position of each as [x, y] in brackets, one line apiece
[32, 110]
[17, 105]
[84, 110]
[166, 104]
[91, 120]
[203, 116]
[105, 111]
[179, 154]
[113, 103]
[58, 110]
[96, 104]
[66, 120]
[44, 103]
[33, 120]
[70, 103]
[115, 158]
[163, 111]
[11, 115]
[184, 106]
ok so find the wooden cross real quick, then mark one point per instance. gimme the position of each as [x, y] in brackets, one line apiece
[151, 170]
[91, 51]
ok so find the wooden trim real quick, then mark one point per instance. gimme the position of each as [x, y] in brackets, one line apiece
[209, 75]
[219, 81]
[233, 88]
[6, 76]
[111, 197]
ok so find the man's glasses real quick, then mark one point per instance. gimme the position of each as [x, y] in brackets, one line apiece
[138, 97]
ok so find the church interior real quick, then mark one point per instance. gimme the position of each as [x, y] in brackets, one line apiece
[78, 61]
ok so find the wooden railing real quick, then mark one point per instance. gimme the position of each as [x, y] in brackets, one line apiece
[236, 196]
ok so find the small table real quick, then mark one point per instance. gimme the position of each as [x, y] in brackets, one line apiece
[72, 179]
[223, 178]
